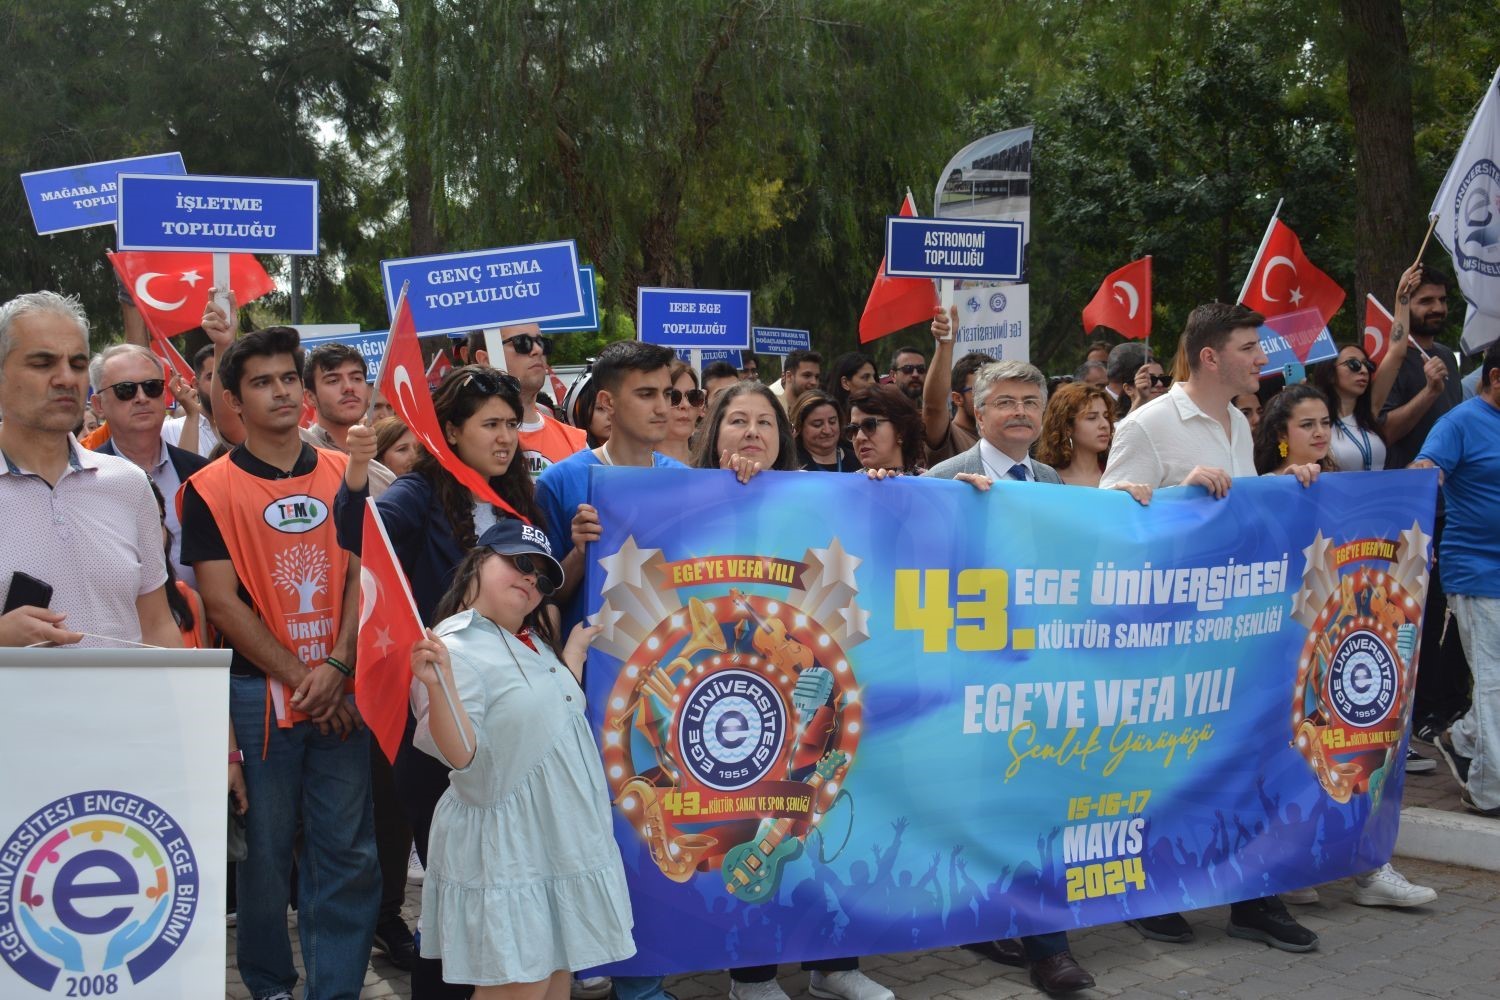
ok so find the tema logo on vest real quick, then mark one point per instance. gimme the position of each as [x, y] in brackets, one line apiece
[97, 892]
[296, 514]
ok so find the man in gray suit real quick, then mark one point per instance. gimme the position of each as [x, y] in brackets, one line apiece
[1009, 399]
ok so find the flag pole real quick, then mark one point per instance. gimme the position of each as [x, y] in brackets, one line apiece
[1431, 225]
[458, 722]
[1263, 241]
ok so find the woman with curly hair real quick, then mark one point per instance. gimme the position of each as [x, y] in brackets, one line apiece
[1295, 429]
[1076, 431]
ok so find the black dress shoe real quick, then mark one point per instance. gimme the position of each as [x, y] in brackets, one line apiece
[1059, 974]
[1169, 927]
[393, 938]
[1006, 951]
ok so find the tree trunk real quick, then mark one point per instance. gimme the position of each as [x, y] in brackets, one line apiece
[1388, 215]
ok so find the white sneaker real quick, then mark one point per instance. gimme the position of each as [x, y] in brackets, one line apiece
[1302, 897]
[768, 990]
[1386, 887]
[591, 987]
[851, 985]
[414, 870]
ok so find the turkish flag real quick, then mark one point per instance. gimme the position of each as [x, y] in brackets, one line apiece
[167, 353]
[1283, 280]
[441, 365]
[403, 357]
[388, 628]
[171, 289]
[559, 392]
[1123, 302]
[896, 303]
[1377, 328]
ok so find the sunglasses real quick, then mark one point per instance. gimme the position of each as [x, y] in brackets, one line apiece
[1161, 380]
[525, 343]
[527, 566]
[869, 425]
[912, 369]
[1356, 366]
[125, 391]
[489, 381]
[695, 397]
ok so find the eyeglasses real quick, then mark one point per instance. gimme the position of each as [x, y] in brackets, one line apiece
[912, 369]
[1161, 379]
[1032, 404]
[489, 381]
[125, 391]
[869, 425]
[1356, 366]
[527, 566]
[695, 397]
[525, 343]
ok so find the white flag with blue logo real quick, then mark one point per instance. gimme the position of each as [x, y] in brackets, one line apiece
[1468, 213]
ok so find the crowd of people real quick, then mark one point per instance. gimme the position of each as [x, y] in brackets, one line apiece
[500, 807]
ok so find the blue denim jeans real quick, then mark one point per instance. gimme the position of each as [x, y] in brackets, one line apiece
[640, 988]
[320, 784]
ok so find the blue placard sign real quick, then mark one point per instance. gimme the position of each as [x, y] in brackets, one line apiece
[1281, 336]
[218, 214]
[777, 340]
[486, 289]
[590, 318]
[369, 343]
[693, 317]
[952, 248]
[709, 356]
[68, 198]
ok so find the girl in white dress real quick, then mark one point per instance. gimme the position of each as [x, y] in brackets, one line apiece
[524, 882]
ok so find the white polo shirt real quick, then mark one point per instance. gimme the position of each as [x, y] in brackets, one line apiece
[171, 432]
[95, 537]
[1158, 443]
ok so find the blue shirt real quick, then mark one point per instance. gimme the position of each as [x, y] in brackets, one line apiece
[559, 491]
[1465, 444]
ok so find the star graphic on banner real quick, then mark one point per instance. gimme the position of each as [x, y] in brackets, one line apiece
[1414, 542]
[383, 640]
[191, 278]
[607, 617]
[1305, 605]
[838, 565]
[856, 623]
[1295, 295]
[1316, 554]
[624, 567]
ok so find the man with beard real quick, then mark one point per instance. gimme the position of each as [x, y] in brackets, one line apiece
[908, 370]
[545, 440]
[1427, 386]
[208, 439]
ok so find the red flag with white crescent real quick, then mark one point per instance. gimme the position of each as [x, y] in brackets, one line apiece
[896, 303]
[441, 365]
[1123, 302]
[1377, 329]
[400, 374]
[1283, 282]
[170, 288]
[388, 628]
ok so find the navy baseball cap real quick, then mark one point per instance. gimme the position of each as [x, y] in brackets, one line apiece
[511, 537]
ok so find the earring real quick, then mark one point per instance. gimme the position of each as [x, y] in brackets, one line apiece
[1281, 449]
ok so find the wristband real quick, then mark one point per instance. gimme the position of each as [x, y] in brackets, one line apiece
[340, 666]
[236, 756]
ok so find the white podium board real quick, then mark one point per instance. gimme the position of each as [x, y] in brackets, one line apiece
[113, 813]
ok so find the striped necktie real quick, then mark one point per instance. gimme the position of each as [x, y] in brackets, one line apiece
[1019, 472]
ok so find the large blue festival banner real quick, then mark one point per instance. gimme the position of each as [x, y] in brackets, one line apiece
[841, 716]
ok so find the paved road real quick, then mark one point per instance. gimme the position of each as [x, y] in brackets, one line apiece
[1448, 949]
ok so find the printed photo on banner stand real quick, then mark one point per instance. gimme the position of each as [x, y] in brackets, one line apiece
[113, 842]
[67, 198]
[487, 289]
[990, 180]
[1082, 712]
[695, 320]
[221, 215]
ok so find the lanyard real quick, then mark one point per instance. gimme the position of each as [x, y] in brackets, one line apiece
[1362, 444]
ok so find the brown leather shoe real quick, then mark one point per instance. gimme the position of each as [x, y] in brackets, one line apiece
[1006, 951]
[1059, 974]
